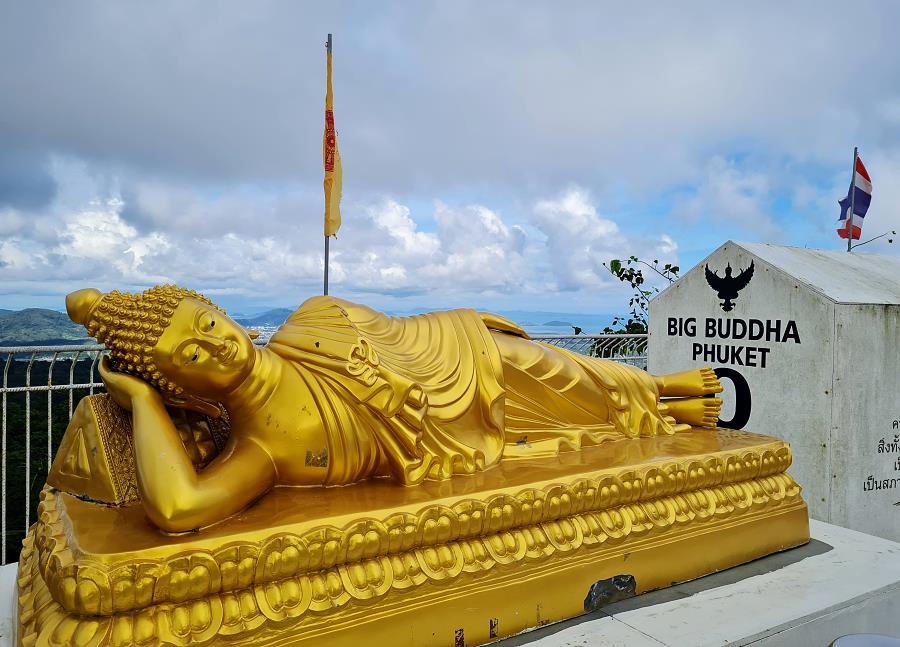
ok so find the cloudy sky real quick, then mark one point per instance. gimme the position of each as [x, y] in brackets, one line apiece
[496, 154]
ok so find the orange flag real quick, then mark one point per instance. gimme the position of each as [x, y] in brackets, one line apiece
[332, 159]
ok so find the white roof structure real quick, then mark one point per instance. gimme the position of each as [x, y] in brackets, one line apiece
[839, 276]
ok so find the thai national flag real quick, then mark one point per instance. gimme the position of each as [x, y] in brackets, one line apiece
[862, 196]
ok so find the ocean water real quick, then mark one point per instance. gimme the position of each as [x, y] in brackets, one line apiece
[558, 323]
[539, 331]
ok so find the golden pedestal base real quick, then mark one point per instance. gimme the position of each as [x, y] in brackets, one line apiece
[459, 562]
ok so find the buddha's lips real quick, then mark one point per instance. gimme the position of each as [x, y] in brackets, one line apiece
[227, 352]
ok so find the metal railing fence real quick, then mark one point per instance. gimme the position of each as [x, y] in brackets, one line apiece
[32, 375]
[53, 379]
[630, 349]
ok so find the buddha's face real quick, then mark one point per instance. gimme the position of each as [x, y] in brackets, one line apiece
[203, 351]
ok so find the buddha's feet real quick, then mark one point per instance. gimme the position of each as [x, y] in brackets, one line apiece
[696, 382]
[697, 412]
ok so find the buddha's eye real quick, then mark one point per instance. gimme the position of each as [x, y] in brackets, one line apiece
[206, 322]
[195, 356]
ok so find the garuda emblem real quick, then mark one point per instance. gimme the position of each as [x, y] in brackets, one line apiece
[728, 286]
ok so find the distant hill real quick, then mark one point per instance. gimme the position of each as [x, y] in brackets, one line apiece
[41, 327]
[274, 317]
[38, 326]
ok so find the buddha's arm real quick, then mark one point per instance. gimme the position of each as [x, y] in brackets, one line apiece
[175, 496]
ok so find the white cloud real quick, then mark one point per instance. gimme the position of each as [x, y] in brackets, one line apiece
[889, 109]
[99, 234]
[479, 249]
[471, 249]
[579, 241]
[394, 220]
[13, 258]
[11, 222]
[448, 255]
[730, 193]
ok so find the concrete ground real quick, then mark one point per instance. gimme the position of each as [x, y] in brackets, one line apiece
[842, 582]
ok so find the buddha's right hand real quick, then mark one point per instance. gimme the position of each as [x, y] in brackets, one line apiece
[124, 389]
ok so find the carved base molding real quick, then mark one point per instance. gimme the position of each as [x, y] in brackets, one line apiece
[461, 563]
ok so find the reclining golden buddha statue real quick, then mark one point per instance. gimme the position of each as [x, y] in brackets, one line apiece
[539, 483]
[343, 393]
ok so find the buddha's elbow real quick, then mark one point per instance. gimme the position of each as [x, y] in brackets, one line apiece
[176, 513]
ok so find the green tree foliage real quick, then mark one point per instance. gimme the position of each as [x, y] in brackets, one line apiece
[628, 271]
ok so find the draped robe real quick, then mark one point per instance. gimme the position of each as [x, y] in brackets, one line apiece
[451, 392]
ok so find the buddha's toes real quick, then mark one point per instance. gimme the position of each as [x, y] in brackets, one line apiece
[710, 381]
[697, 412]
[696, 382]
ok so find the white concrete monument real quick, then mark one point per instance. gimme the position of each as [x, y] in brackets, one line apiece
[807, 344]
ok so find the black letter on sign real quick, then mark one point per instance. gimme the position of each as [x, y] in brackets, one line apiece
[741, 398]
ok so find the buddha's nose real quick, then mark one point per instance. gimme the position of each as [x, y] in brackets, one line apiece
[215, 343]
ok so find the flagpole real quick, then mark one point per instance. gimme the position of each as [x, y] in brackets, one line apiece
[326, 267]
[328, 50]
[852, 200]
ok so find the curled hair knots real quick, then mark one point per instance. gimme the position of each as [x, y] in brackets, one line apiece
[130, 324]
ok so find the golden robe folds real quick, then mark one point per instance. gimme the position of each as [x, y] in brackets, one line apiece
[459, 402]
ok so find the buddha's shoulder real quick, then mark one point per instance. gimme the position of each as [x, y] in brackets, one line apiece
[328, 303]
[327, 325]
[331, 311]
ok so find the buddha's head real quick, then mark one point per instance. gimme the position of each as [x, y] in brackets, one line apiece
[175, 339]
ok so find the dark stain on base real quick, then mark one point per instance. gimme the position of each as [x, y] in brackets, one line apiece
[459, 638]
[613, 589]
[494, 624]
